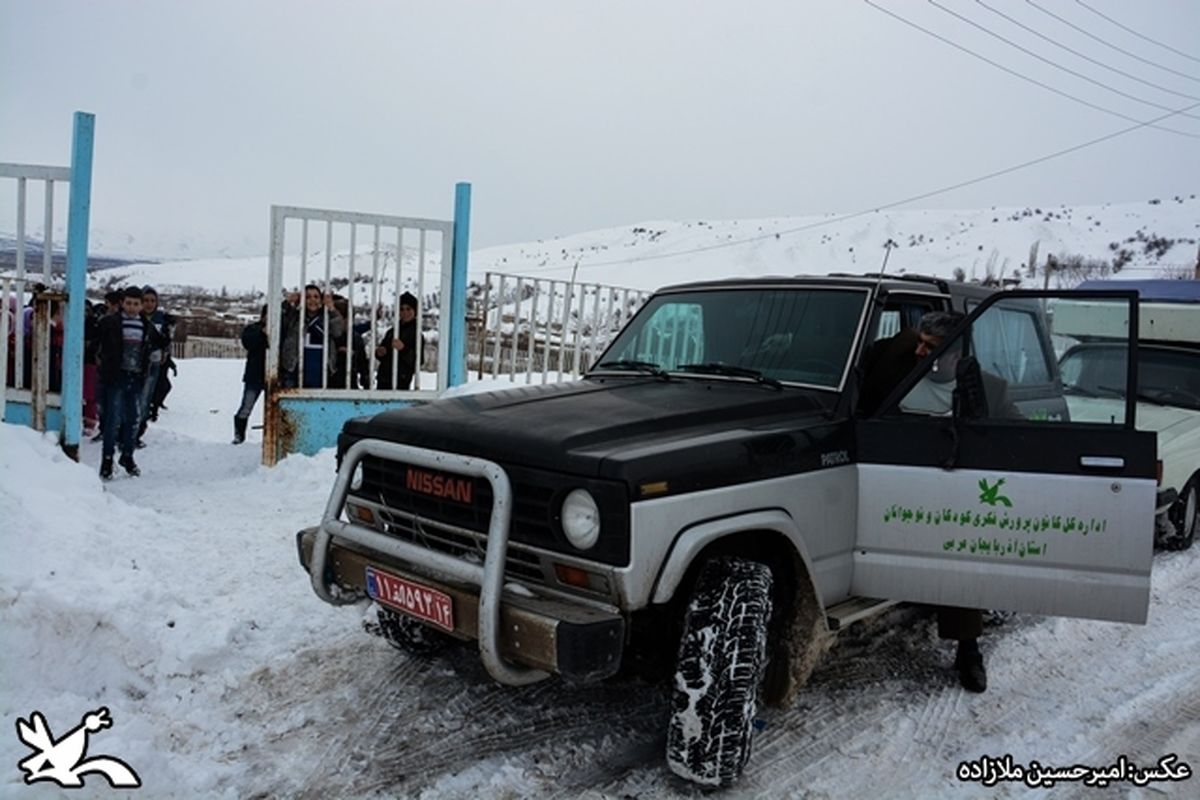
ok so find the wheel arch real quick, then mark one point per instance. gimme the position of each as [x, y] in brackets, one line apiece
[800, 634]
[768, 535]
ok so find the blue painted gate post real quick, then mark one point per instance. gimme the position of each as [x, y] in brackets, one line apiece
[457, 346]
[78, 215]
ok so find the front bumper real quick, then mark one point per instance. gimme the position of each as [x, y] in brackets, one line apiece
[579, 643]
[521, 639]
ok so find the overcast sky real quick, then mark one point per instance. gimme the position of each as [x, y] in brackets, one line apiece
[571, 116]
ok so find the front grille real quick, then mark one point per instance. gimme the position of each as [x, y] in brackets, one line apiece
[449, 524]
[465, 544]
[384, 482]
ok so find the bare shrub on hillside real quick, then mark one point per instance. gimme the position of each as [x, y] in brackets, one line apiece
[1066, 270]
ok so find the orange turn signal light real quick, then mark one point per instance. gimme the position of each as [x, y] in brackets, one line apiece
[571, 576]
[361, 513]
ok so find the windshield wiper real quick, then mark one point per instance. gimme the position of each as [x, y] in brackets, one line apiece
[715, 368]
[1140, 396]
[640, 366]
[1075, 388]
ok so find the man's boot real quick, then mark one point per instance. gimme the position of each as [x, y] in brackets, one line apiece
[239, 429]
[106, 468]
[127, 462]
[969, 663]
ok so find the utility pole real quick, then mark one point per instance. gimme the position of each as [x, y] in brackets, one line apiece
[1196, 271]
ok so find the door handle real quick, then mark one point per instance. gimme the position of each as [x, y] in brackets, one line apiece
[1102, 462]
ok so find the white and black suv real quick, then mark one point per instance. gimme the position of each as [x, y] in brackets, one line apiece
[709, 504]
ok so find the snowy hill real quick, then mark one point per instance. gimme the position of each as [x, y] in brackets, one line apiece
[1152, 237]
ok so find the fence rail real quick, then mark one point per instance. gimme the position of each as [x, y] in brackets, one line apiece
[546, 330]
[207, 347]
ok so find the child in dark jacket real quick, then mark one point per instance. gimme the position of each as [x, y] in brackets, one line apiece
[126, 341]
[254, 339]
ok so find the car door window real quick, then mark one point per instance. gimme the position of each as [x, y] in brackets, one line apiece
[1007, 352]
[903, 311]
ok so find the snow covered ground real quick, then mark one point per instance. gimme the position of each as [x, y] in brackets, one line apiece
[176, 600]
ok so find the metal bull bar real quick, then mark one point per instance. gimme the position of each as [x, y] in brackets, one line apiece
[489, 578]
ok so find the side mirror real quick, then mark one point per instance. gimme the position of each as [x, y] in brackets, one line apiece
[970, 401]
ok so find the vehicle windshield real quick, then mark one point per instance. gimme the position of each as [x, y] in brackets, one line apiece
[1165, 376]
[802, 335]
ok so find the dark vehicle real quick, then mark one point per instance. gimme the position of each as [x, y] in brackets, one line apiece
[708, 506]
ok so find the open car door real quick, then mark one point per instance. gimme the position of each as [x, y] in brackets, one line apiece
[977, 490]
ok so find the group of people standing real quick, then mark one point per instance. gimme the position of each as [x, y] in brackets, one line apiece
[127, 352]
[307, 327]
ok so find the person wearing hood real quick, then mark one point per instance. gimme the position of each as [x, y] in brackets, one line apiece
[398, 349]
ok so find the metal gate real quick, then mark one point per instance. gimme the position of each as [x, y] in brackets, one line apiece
[364, 263]
[537, 329]
[40, 324]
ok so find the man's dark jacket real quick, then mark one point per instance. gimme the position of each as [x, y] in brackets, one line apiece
[884, 365]
[408, 358]
[112, 345]
[254, 339]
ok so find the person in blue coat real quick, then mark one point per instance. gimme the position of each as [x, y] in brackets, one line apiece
[314, 336]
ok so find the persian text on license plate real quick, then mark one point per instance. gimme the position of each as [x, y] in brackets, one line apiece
[413, 599]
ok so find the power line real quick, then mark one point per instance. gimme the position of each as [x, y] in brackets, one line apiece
[874, 209]
[1024, 77]
[1135, 33]
[1084, 56]
[1052, 63]
[1109, 44]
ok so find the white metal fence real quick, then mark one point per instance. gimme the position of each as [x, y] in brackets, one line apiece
[207, 347]
[368, 281]
[26, 324]
[546, 330]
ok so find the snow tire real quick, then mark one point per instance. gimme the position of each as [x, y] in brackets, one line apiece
[407, 635]
[1185, 516]
[722, 658]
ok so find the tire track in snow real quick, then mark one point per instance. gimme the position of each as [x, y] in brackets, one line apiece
[885, 695]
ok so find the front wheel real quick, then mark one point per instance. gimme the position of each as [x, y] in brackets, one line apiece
[406, 634]
[722, 657]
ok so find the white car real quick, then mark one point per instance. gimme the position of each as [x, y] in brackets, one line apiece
[1168, 398]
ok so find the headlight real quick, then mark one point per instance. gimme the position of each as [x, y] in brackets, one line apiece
[581, 519]
[356, 478]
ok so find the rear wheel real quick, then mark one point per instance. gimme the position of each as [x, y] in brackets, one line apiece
[406, 634]
[722, 657]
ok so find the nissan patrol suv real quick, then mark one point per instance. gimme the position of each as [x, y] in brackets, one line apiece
[708, 504]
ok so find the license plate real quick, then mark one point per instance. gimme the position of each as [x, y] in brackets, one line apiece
[413, 599]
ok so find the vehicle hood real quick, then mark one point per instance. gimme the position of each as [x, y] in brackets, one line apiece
[1179, 446]
[1171, 420]
[616, 427]
[1178, 431]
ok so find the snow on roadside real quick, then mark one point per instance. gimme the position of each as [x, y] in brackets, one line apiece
[155, 595]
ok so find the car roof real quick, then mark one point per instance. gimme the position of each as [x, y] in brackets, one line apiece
[853, 281]
[1160, 290]
[887, 283]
